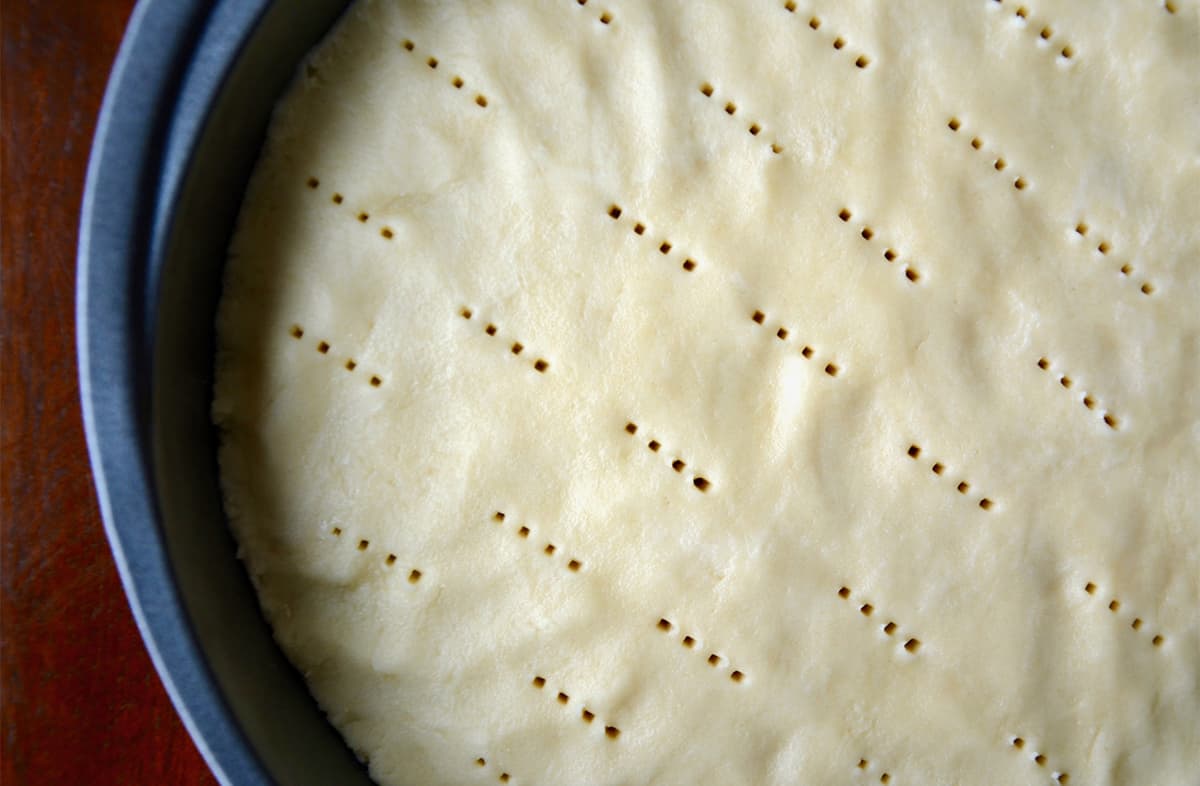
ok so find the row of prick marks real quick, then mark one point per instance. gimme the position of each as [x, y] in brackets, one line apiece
[605, 17]
[890, 628]
[389, 560]
[503, 777]
[456, 81]
[890, 254]
[585, 715]
[700, 482]
[865, 766]
[363, 216]
[839, 43]
[689, 642]
[1103, 248]
[549, 549]
[1045, 33]
[939, 469]
[755, 129]
[1087, 399]
[782, 333]
[1018, 743]
[666, 247]
[540, 365]
[1137, 624]
[998, 162]
[324, 348]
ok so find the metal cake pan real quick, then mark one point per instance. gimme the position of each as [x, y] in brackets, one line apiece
[183, 120]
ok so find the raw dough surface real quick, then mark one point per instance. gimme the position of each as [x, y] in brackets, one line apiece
[834, 368]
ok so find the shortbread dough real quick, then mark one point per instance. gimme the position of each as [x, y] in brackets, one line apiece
[753, 392]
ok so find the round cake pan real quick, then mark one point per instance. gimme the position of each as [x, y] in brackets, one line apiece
[183, 120]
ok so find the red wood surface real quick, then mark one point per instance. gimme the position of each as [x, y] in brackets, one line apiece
[80, 700]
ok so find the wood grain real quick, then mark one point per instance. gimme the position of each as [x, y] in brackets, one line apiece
[80, 700]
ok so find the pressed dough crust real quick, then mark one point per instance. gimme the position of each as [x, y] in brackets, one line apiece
[1016, 603]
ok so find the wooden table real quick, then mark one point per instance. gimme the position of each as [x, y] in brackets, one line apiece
[81, 701]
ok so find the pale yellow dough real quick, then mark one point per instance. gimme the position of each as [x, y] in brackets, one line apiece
[1015, 604]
